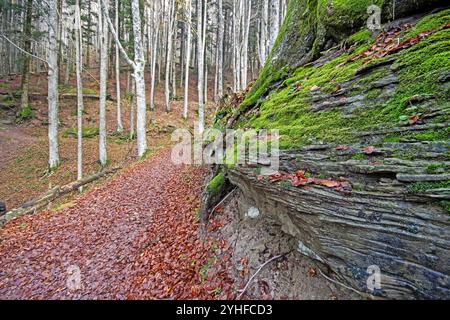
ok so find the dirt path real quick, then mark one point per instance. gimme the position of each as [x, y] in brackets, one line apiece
[133, 237]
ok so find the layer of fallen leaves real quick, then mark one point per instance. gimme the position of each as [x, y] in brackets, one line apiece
[388, 42]
[299, 179]
[135, 237]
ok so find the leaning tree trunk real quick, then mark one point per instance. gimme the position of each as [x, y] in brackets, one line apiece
[53, 161]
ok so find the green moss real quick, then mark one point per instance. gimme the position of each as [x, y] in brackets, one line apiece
[433, 135]
[345, 14]
[421, 187]
[445, 205]
[359, 156]
[281, 97]
[437, 168]
[216, 184]
[373, 94]
[73, 90]
[363, 36]
[87, 132]
[24, 114]
[428, 23]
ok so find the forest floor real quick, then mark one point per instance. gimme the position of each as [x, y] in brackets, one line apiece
[135, 235]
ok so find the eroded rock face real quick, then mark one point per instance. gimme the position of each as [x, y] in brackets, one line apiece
[380, 223]
[390, 144]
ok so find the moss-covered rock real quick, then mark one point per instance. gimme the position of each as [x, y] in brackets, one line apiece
[333, 100]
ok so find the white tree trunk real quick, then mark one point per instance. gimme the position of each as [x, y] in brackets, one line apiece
[201, 51]
[79, 65]
[155, 21]
[103, 85]
[220, 36]
[188, 57]
[53, 161]
[139, 65]
[119, 111]
[263, 44]
[169, 20]
[274, 21]
[132, 112]
[244, 68]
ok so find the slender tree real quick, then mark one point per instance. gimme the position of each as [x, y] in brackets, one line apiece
[79, 65]
[188, 57]
[118, 95]
[53, 22]
[103, 34]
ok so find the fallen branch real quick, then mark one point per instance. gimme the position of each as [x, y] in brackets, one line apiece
[337, 282]
[258, 271]
[43, 200]
[222, 201]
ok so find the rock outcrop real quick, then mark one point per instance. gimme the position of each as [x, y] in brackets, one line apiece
[373, 113]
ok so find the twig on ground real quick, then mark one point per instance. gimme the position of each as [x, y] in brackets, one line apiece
[337, 282]
[258, 271]
[222, 201]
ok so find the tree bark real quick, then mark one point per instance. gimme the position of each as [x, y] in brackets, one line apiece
[118, 94]
[53, 85]
[103, 33]
[79, 65]
[188, 58]
[26, 58]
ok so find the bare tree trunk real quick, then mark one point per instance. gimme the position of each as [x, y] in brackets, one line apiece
[220, 37]
[103, 32]
[119, 112]
[79, 65]
[140, 81]
[244, 69]
[53, 85]
[132, 112]
[201, 55]
[188, 57]
[274, 21]
[155, 22]
[26, 58]
[263, 44]
[169, 19]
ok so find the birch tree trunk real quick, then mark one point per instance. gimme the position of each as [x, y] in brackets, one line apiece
[132, 112]
[244, 68]
[103, 31]
[155, 22]
[200, 58]
[274, 21]
[169, 20]
[53, 85]
[188, 57]
[263, 44]
[220, 37]
[26, 58]
[139, 65]
[79, 65]
[119, 111]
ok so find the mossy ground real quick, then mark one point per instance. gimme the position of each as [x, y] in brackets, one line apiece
[216, 184]
[287, 107]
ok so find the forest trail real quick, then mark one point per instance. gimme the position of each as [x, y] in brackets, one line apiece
[133, 237]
